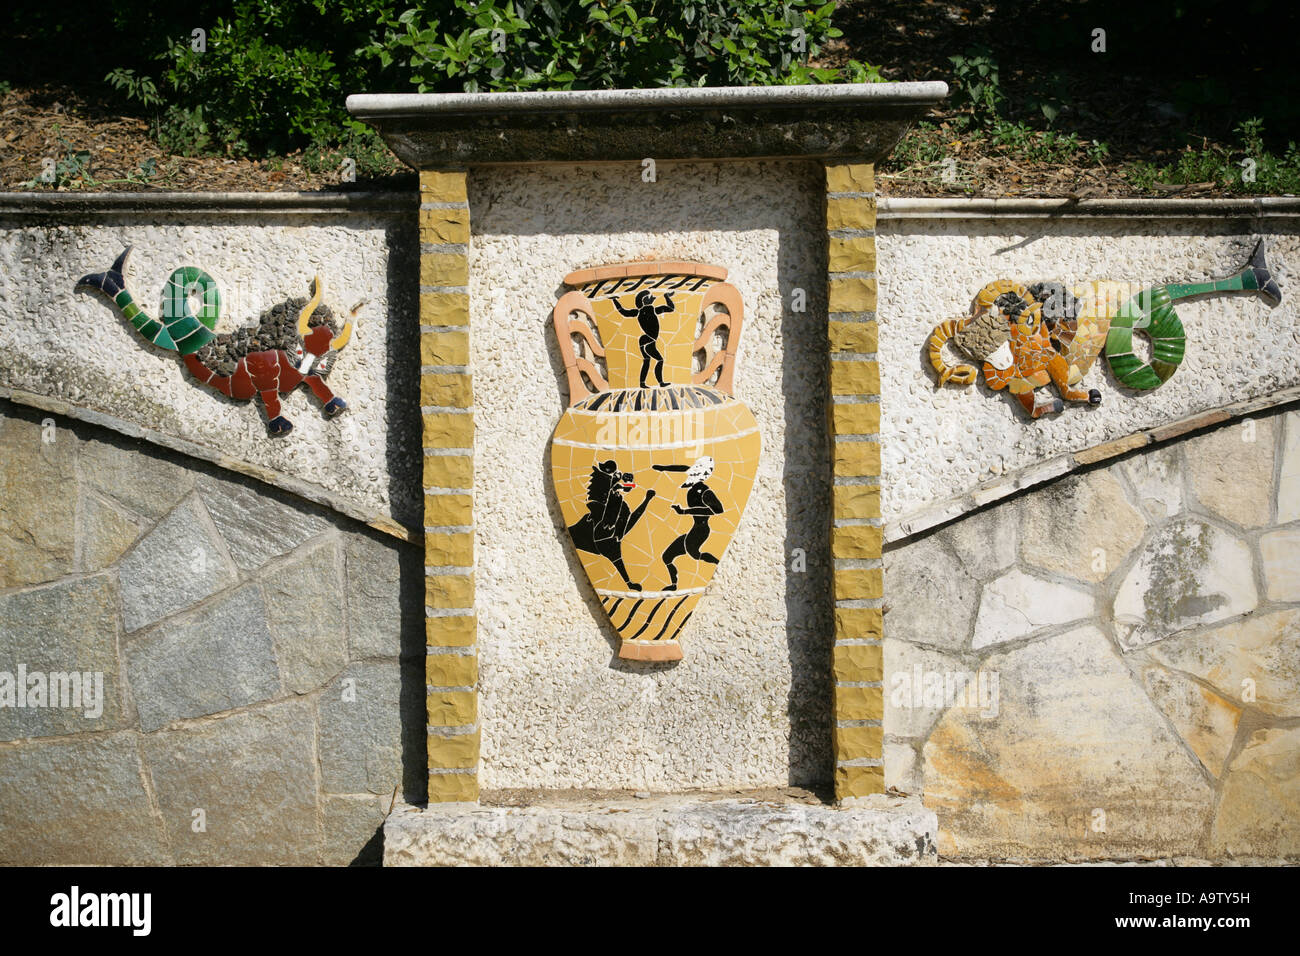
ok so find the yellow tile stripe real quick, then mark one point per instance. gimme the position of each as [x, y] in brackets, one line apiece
[447, 398]
[856, 532]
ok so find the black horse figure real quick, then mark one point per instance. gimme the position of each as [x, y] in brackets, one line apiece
[608, 519]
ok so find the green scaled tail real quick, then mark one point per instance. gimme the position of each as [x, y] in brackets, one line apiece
[1152, 311]
[188, 331]
[180, 330]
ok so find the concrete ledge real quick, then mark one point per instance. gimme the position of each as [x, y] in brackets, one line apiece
[167, 206]
[949, 509]
[943, 207]
[439, 130]
[665, 831]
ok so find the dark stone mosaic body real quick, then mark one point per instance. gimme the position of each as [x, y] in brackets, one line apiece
[277, 328]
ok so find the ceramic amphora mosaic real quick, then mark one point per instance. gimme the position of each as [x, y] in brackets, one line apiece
[654, 459]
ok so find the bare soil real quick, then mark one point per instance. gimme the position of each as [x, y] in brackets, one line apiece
[53, 122]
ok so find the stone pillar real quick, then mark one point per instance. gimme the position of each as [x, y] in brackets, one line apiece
[854, 419]
[447, 406]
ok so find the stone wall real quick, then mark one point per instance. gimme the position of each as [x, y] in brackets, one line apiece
[1121, 655]
[261, 659]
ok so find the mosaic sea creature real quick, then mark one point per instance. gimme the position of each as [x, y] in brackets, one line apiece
[294, 342]
[1026, 335]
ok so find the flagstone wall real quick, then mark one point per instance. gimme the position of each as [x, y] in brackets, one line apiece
[1108, 667]
[251, 665]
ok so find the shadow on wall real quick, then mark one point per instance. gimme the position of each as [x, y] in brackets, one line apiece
[260, 659]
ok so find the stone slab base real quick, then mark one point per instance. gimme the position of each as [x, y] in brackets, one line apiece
[664, 831]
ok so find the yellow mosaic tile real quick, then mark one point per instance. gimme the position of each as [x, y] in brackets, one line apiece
[448, 389]
[851, 178]
[452, 631]
[855, 501]
[859, 781]
[444, 308]
[850, 377]
[448, 430]
[857, 459]
[454, 751]
[855, 663]
[453, 788]
[855, 743]
[451, 670]
[448, 510]
[444, 269]
[439, 186]
[857, 584]
[852, 295]
[858, 623]
[452, 708]
[454, 550]
[449, 591]
[444, 348]
[856, 254]
[448, 471]
[444, 225]
[853, 336]
[847, 214]
[859, 541]
[857, 703]
[855, 418]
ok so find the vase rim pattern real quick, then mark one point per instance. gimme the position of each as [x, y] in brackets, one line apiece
[652, 267]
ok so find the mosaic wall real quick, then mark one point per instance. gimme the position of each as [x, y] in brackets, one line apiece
[549, 671]
[1078, 653]
[67, 346]
[941, 442]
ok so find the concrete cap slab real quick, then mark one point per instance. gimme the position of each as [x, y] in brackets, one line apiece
[446, 130]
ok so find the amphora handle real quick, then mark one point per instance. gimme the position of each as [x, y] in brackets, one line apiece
[724, 361]
[575, 366]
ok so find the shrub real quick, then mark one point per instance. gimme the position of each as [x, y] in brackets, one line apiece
[1251, 168]
[274, 74]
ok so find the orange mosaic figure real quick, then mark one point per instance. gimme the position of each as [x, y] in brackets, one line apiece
[1028, 335]
[1019, 349]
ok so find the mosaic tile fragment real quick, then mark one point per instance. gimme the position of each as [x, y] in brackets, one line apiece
[1026, 335]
